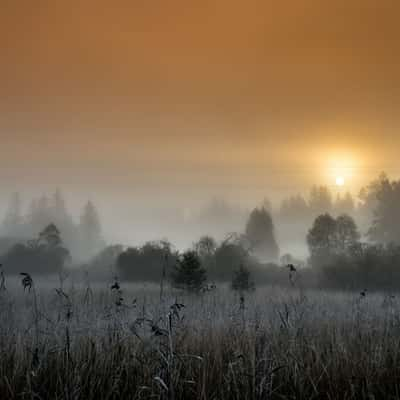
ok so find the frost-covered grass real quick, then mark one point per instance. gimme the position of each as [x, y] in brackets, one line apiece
[96, 343]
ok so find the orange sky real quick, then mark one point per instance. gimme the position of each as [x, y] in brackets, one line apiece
[245, 97]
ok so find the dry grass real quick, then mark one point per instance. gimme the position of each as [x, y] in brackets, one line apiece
[80, 343]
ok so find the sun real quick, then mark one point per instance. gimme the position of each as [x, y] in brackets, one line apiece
[340, 181]
[340, 169]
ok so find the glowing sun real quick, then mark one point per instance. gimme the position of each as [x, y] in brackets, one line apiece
[340, 181]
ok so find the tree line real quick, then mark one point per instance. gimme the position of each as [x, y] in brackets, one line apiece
[340, 256]
[83, 239]
[344, 259]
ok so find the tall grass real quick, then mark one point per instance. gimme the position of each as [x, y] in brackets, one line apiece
[82, 342]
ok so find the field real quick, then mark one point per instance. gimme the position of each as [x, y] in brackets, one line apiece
[133, 342]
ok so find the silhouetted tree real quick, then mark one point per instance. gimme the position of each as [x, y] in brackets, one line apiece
[369, 195]
[329, 236]
[188, 273]
[347, 234]
[261, 236]
[321, 238]
[386, 216]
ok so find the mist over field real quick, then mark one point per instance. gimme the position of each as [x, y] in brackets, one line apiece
[199, 200]
[130, 222]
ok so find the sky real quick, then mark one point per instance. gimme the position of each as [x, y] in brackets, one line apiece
[173, 102]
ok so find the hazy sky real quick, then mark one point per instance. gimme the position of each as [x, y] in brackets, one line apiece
[160, 100]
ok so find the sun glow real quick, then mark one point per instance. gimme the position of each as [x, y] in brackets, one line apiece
[341, 169]
[340, 181]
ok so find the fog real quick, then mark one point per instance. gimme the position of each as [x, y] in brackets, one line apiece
[136, 217]
[132, 221]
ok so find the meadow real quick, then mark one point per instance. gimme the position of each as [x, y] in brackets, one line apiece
[76, 340]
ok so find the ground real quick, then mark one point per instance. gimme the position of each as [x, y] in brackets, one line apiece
[93, 342]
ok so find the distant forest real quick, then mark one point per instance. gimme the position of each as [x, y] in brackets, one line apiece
[46, 240]
[83, 238]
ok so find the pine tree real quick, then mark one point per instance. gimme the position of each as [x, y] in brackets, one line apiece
[188, 273]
